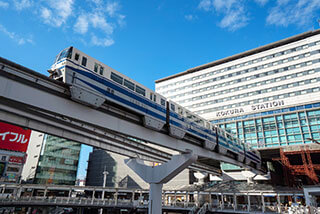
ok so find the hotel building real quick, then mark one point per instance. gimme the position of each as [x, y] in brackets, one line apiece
[268, 96]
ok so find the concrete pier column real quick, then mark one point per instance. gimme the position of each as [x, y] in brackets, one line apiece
[69, 195]
[19, 192]
[249, 203]
[187, 198]
[235, 202]
[222, 202]
[45, 191]
[3, 189]
[263, 204]
[175, 198]
[156, 176]
[278, 203]
[93, 193]
[116, 197]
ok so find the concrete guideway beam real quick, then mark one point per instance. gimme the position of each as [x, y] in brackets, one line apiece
[157, 176]
[42, 102]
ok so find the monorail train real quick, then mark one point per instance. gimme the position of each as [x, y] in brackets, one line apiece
[92, 83]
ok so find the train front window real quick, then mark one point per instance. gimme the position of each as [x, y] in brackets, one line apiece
[66, 53]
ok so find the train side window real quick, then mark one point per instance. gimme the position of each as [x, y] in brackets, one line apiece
[101, 70]
[163, 102]
[96, 66]
[129, 84]
[180, 111]
[151, 96]
[84, 61]
[76, 56]
[116, 78]
[140, 90]
[154, 98]
[173, 108]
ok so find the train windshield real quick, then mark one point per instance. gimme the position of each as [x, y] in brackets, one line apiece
[66, 53]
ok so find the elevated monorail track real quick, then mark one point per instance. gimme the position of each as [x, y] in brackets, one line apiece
[32, 100]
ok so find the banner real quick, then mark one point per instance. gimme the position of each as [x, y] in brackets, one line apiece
[14, 138]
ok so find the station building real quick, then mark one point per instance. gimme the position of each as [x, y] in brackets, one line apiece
[269, 97]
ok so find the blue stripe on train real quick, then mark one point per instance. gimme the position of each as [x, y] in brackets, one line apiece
[108, 83]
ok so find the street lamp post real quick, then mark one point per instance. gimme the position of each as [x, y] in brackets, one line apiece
[105, 173]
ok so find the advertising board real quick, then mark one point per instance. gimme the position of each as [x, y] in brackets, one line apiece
[14, 138]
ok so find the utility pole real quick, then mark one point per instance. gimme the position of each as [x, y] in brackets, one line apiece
[105, 173]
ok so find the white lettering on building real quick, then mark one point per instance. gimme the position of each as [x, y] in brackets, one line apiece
[230, 112]
[267, 105]
[13, 137]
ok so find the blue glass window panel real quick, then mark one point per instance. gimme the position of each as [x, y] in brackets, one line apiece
[305, 129]
[303, 122]
[315, 135]
[314, 128]
[283, 139]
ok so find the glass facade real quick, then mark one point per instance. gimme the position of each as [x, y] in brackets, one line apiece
[58, 162]
[284, 129]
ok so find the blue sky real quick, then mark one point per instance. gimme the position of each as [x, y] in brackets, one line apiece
[147, 39]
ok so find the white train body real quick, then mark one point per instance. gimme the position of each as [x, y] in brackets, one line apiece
[93, 83]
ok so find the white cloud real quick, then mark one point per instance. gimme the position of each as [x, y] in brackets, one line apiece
[81, 25]
[112, 8]
[261, 2]
[57, 12]
[99, 21]
[205, 5]
[104, 42]
[46, 13]
[4, 4]
[233, 11]
[297, 12]
[18, 39]
[22, 4]
[190, 17]
[102, 18]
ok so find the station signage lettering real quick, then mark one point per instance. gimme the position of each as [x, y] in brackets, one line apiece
[230, 112]
[256, 107]
[267, 105]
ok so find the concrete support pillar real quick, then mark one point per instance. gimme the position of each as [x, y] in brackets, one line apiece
[116, 197]
[45, 191]
[278, 203]
[19, 191]
[155, 197]
[158, 175]
[187, 198]
[263, 204]
[132, 196]
[163, 197]
[3, 189]
[222, 202]
[234, 202]
[93, 193]
[69, 195]
[175, 198]
[249, 203]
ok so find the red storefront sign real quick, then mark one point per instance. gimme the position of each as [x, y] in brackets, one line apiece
[14, 138]
[15, 159]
